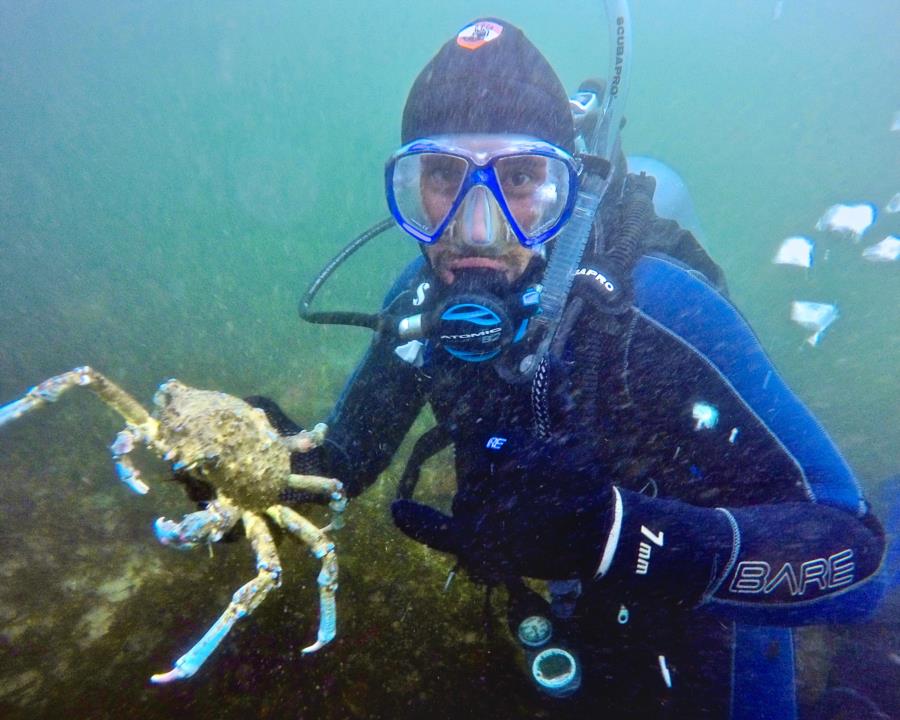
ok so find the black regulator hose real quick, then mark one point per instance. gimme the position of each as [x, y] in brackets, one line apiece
[638, 197]
[341, 317]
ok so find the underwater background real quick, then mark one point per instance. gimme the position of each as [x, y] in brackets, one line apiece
[173, 174]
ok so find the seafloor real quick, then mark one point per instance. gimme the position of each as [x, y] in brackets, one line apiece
[91, 605]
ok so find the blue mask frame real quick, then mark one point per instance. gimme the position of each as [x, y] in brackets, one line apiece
[482, 173]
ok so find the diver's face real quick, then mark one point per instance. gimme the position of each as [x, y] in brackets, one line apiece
[460, 248]
[479, 235]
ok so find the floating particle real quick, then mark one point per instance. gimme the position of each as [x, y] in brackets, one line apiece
[849, 219]
[887, 250]
[813, 316]
[895, 123]
[706, 416]
[777, 10]
[795, 251]
[893, 204]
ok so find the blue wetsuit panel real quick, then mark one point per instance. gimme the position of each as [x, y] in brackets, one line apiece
[763, 674]
[736, 353]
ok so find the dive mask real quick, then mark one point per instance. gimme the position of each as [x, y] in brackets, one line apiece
[433, 182]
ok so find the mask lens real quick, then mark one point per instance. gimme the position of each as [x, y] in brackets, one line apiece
[535, 189]
[425, 186]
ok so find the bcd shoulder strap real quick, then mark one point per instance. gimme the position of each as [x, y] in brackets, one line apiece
[599, 310]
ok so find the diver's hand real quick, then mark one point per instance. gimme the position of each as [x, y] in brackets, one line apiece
[305, 447]
[277, 418]
[543, 536]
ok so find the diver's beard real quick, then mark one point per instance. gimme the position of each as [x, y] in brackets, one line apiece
[490, 280]
[481, 280]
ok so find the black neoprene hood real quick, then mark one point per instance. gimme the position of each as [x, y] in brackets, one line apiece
[489, 78]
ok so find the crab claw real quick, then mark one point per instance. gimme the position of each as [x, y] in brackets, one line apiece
[197, 528]
[169, 533]
[129, 475]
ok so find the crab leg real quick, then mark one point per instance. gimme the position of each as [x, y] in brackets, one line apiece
[50, 390]
[322, 548]
[17, 408]
[316, 485]
[306, 440]
[243, 602]
[203, 526]
[141, 425]
[46, 392]
[125, 469]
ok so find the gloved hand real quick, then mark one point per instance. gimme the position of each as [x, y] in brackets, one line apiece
[544, 531]
[302, 463]
[277, 418]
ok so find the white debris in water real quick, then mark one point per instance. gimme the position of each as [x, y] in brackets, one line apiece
[706, 416]
[777, 10]
[848, 219]
[795, 251]
[893, 204]
[895, 124]
[887, 250]
[813, 316]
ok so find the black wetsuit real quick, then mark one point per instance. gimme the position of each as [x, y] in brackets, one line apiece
[735, 516]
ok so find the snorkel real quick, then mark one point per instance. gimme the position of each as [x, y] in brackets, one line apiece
[598, 118]
[597, 115]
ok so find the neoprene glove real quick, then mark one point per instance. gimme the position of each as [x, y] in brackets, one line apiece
[302, 463]
[544, 531]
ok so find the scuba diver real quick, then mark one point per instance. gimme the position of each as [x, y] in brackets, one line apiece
[617, 429]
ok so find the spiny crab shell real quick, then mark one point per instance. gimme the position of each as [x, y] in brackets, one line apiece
[227, 442]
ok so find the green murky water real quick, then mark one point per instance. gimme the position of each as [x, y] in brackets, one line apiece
[172, 175]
